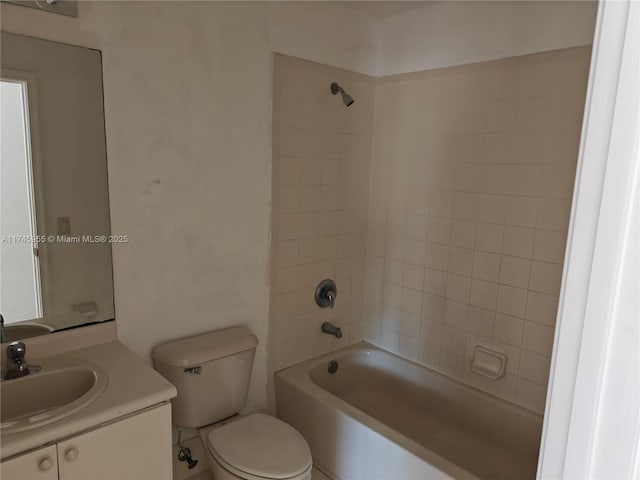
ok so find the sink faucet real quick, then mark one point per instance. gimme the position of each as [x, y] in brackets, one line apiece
[16, 364]
[331, 329]
[3, 334]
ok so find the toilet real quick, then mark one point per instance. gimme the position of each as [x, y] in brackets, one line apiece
[211, 373]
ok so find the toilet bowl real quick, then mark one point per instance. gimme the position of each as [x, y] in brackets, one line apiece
[257, 447]
[211, 373]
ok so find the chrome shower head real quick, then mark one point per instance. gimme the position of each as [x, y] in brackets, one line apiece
[346, 98]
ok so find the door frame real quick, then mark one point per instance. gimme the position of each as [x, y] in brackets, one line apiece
[592, 420]
[35, 159]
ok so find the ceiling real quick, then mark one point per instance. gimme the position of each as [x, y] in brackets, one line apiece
[382, 9]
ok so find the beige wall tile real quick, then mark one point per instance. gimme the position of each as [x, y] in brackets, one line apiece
[484, 294]
[522, 211]
[492, 209]
[438, 230]
[499, 148]
[412, 301]
[466, 206]
[509, 329]
[289, 199]
[413, 276]
[524, 180]
[545, 277]
[417, 227]
[320, 213]
[531, 395]
[538, 338]
[453, 340]
[501, 117]
[512, 301]
[458, 288]
[433, 307]
[463, 234]
[514, 271]
[553, 214]
[437, 256]
[542, 308]
[490, 238]
[441, 203]
[518, 242]
[486, 266]
[481, 321]
[435, 282]
[495, 179]
[557, 181]
[461, 261]
[456, 314]
[467, 214]
[549, 246]
[534, 367]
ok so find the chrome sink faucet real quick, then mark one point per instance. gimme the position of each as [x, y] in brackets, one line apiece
[3, 333]
[331, 329]
[17, 366]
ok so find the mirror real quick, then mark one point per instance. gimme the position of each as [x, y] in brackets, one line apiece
[55, 248]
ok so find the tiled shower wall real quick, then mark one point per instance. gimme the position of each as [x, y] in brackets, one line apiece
[471, 187]
[321, 171]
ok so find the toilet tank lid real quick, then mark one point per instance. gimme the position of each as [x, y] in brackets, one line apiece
[190, 351]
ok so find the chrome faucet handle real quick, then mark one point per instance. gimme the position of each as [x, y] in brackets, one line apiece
[326, 293]
[16, 352]
[331, 297]
[3, 334]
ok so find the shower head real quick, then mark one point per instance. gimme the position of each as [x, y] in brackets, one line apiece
[346, 98]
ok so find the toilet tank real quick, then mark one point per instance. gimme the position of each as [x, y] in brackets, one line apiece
[211, 373]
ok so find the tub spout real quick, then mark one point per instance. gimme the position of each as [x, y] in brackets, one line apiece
[331, 329]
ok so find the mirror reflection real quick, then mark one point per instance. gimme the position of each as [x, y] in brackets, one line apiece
[55, 249]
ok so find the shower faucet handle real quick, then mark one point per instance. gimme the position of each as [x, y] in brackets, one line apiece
[331, 297]
[326, 293]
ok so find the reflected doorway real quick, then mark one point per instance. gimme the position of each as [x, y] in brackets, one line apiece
[20, 288]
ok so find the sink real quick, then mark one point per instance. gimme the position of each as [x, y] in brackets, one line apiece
[57, 391]
[25, 330]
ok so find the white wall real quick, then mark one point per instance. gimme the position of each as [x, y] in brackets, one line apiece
[324, 33]
[188, 87]
[460, 32]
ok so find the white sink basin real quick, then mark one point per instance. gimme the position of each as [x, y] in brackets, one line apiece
[25, 330]
[55, 392]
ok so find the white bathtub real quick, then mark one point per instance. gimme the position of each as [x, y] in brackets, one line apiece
[382, 417]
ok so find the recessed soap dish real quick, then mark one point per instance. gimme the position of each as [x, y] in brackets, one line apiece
[489, 363]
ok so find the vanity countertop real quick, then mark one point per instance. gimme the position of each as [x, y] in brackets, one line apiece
[132, 385]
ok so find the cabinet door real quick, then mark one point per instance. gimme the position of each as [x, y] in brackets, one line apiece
[135, 448]
[38, 465]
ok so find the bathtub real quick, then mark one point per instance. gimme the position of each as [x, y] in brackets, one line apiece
[382, 417]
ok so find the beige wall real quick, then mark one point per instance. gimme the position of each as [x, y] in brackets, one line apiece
[188, 87]
[471, 188]
[321, 167]
[188, 90]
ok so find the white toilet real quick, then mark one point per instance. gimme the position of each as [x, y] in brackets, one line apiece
[211, 373]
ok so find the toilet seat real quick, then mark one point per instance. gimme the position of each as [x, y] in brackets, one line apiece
[260, 447]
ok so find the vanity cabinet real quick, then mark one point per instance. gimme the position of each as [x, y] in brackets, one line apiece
[41, 464]
[137, 447]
